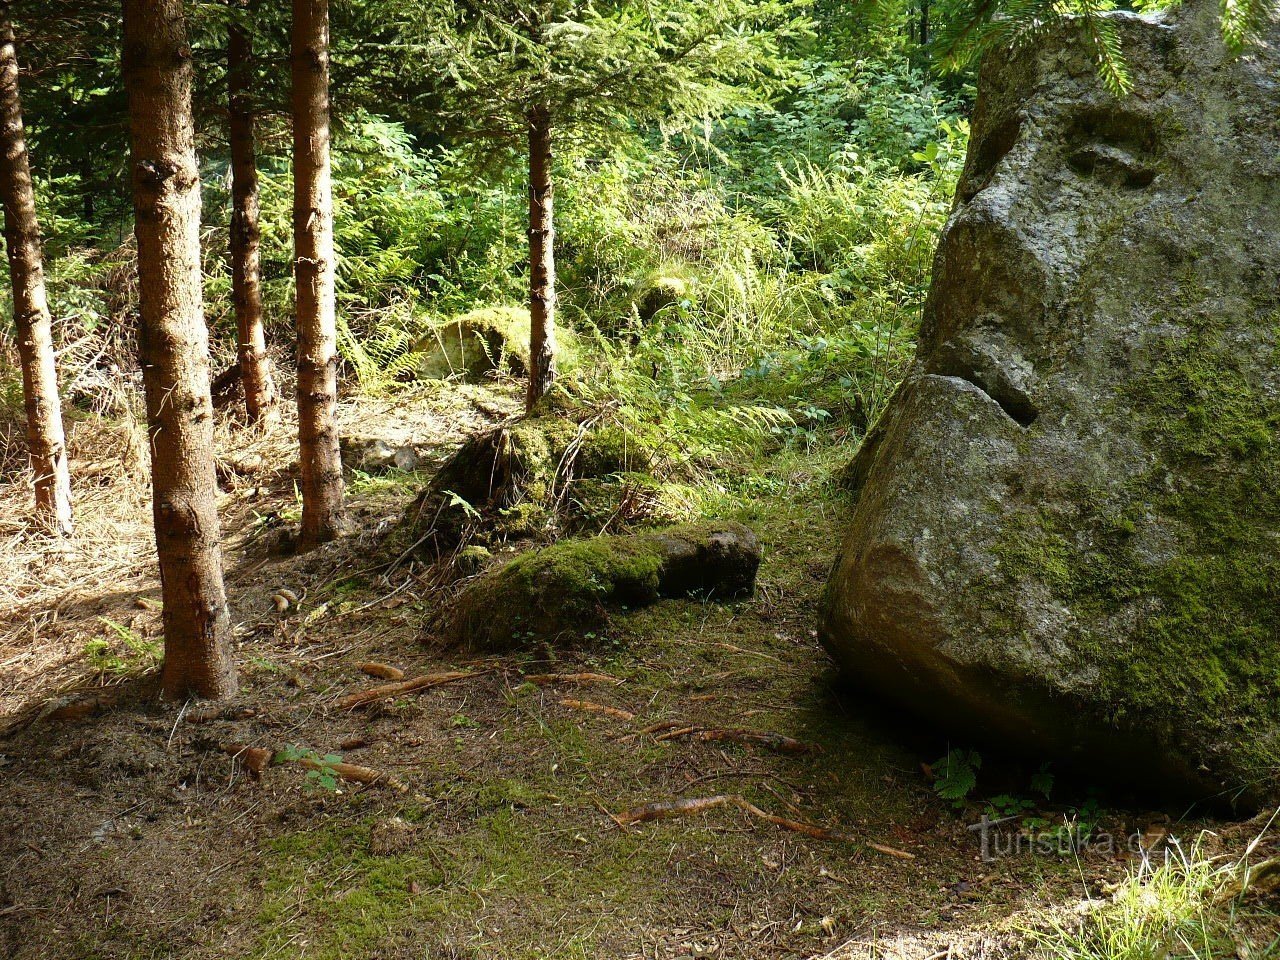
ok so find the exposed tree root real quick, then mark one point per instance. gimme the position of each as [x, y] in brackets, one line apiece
[542, 679]
[600, 708]
[257, 759]
[772, 741]
[416, 685]
[380, 670]
[669, 809]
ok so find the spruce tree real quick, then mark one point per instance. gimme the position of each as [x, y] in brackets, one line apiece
[33, 324]
[531, 75]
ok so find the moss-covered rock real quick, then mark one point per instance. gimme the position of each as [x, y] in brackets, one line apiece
[474, 343]
[659, 290]
[565, 592]
[521, 480]
[1067, 526]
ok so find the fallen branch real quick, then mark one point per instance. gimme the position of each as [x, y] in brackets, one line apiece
[381, 670]
[542, 679]
[591, 707]
[772, 741]
[416, 685]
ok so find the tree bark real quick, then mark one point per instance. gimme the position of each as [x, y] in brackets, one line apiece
[323, 517]
[34, 326]
[542, 260]
[173, 345]
[246, 288]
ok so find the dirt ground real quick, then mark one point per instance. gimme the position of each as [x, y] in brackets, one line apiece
[496, 826]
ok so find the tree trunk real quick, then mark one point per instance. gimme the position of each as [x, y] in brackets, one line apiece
[322, 511]
[173, 344]
[246, 290]
[542, 259]
[34, 326]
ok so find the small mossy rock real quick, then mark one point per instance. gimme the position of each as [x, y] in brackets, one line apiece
[1066, 538]
[513, 476]
[657, 291]
[565, 591]
[475, 343]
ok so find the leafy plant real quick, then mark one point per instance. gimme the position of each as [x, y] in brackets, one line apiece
[320, 773]
[137, 656]
[955, 776]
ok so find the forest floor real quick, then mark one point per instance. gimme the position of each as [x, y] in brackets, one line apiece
[132, 828]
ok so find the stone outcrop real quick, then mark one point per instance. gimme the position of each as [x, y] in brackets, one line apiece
[1067, 531]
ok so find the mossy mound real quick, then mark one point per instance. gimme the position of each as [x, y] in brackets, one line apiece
[658, 290]
[1067, 524]
[565, 592]
[477, 342]
[535, 478]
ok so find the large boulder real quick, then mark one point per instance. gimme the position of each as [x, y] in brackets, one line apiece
[1067, 531]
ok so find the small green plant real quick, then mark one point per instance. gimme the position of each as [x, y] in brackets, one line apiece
[956, 775]
[139, 655]
[320, 769]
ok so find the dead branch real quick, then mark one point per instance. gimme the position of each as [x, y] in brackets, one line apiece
[416, 685]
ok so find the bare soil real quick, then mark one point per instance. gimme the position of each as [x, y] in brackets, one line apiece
[495, 826]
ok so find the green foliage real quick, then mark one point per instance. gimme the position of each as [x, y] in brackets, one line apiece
[321, 775]
[1185, 905]
[128, 655]
[955, 776]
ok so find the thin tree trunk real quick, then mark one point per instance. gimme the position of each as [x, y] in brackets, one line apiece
[173, 344]
[542, 259]
[323, 517]
[33, 324]
[246, 290]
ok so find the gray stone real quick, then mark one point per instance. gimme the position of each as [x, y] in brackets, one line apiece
[1067, 531]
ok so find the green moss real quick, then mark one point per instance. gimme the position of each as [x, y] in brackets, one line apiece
[567, 590]
[1188, 548]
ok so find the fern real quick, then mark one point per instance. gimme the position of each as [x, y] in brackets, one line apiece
[956, 775]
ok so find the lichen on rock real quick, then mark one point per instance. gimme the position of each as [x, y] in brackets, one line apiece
[1066, 529]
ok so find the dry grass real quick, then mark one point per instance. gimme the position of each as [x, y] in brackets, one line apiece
[58, 595]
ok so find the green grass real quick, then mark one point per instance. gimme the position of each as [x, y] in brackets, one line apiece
[1181, 905]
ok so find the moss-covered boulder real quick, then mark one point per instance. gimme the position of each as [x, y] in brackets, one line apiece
[475, 343]
[1067, 531]
[566, 591]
